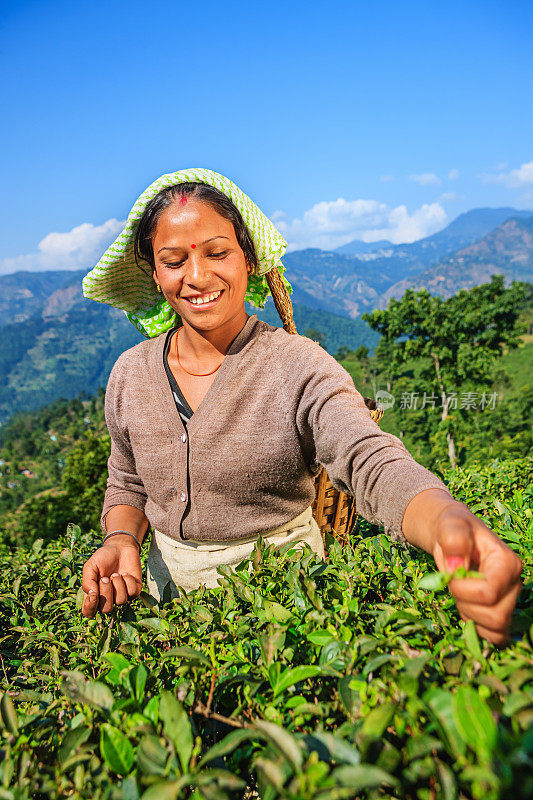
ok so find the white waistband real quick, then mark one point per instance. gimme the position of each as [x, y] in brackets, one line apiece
[300, 523]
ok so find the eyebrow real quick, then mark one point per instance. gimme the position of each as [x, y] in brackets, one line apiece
[201, 243]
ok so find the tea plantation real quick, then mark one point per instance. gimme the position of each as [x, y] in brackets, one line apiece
[297, 678]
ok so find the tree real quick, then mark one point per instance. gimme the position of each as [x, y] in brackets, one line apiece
[317, 336]
[458, 338]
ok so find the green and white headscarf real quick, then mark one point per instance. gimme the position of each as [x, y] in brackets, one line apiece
[118, 281]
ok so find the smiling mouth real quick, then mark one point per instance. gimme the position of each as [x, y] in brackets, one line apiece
[205, 303]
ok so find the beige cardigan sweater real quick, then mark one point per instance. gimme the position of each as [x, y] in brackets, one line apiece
[279, 406]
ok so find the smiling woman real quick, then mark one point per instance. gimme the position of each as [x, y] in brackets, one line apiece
[217, 438]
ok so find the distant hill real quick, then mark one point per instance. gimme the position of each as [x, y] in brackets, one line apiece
[357, 247]
[508, 249]
[464, 229]
[351, 284]
[64, 344]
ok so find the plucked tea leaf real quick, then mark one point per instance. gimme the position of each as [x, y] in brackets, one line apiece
[434, 581]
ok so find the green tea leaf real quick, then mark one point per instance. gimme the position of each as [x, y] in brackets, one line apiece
[93, 693]
[434, 581]
[363, 776]
[295, 675]
[116, 749]
[152, 756]
[283, 741]
[475, 721]
[226, 746]
[187, 654]
[9, 714]
[72, 740]
[177, 727]
[276, 612]
[137, 680]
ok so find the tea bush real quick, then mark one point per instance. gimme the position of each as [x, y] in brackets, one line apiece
[297, 678]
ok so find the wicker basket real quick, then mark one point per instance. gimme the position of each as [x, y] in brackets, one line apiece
[334, 511]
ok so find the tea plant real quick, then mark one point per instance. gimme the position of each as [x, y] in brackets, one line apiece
[296, 678]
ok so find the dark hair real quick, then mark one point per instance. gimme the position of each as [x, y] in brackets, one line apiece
[143, 248]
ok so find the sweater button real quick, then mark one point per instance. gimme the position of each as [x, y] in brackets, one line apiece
[183, 496]
[183, 437]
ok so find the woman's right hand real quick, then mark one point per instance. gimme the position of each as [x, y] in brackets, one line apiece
[112, 575]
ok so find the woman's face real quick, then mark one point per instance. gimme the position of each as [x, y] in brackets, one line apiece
[196, 254]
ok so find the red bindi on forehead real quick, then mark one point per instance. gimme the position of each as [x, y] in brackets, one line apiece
[183, 200]
[193, 246]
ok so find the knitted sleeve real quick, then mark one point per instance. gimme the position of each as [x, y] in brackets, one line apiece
[373, 466]
[124, 487]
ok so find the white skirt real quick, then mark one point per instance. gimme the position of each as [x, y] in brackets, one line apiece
[189, 564]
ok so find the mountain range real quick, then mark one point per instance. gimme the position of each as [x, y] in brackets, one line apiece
[495, 240]
[54, 342]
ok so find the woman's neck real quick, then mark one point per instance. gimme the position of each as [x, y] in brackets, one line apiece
[206, 346]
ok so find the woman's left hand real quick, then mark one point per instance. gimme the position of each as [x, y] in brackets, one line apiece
[463, 540]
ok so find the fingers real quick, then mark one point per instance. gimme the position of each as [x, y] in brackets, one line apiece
[133, 584]
[114, 591]
[90, 576]
[106, 595]
[496, 618]
[119, 588]
[501, 569]
[90, 586]
[112, 576]
[455, 539]
[90, 603]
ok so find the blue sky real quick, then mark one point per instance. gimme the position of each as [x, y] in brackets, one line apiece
[342, 120]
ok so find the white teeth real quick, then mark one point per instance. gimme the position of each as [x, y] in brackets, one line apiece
[201, 300]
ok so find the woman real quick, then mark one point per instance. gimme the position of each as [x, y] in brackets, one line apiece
[220, 423]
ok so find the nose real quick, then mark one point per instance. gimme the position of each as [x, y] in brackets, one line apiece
[197, 273]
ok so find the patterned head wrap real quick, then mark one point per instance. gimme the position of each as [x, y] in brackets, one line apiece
[118, 281]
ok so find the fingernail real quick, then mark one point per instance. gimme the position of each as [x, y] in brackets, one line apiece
[114, 575]
[105, 580]
[454, 562]
[92, 591]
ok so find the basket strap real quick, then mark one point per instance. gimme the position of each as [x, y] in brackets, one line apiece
[282, 299]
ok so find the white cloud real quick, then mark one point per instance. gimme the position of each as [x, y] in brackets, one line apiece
[425, 178]
[448, 196]
[453, 174]
[515, 179]
[386, 178]
[331, 224]
[78, 248]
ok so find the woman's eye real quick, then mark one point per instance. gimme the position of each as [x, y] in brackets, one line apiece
[218, 255]
[177, 264]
